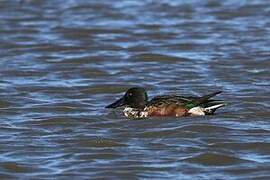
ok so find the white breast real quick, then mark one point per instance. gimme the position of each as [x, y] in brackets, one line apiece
[134, 113]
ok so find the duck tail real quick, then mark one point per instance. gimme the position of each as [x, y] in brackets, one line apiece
[211, 109]
[205, 99]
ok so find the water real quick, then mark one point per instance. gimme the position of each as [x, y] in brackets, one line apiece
[62, 62]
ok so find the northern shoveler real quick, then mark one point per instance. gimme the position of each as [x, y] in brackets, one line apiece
[137, 105]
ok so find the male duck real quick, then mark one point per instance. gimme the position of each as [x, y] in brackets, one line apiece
[137, 105]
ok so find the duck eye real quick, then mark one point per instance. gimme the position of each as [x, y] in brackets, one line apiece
[130, 94]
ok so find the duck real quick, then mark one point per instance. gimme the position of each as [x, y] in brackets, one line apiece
[136, 104]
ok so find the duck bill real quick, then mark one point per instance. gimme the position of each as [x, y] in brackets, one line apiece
[118, 103]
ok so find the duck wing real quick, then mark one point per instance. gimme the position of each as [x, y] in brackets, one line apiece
[169, 99]
[186, 101]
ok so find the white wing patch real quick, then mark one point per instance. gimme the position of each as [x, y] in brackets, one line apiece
[200, 111]
[197, 111]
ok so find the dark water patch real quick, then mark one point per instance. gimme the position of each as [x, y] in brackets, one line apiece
[5, 104]
[188, 47]
[202, 128]
[258, 131]
[214, 159]
[91, 142]
[157, 134]
[56, 108]
[88, 73]
[7, 175]
[249, 172]
[246, 146]
[99, 156]
[158, 57]
[90, 31]
[43, 88]
[14, 167]
[100, 143]
[55, 122]
[26, 73]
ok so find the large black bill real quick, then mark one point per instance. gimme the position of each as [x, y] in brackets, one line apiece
[117, 103]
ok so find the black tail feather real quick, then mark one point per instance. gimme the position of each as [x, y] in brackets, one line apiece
[205, 99]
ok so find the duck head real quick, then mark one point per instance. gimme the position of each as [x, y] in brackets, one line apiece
[135, 97]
